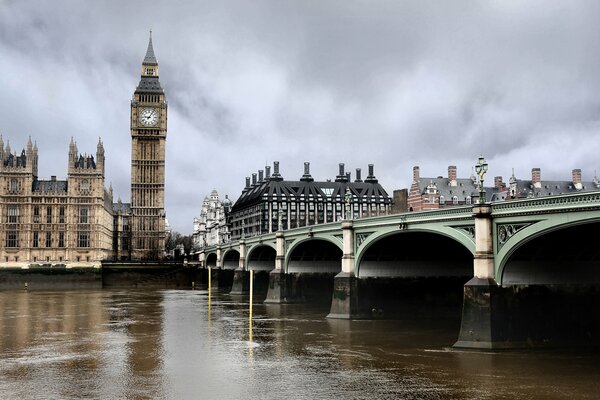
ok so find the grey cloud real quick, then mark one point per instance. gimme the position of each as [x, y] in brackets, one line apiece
[385, 82]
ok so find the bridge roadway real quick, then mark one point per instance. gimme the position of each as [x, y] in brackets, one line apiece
[533, 266]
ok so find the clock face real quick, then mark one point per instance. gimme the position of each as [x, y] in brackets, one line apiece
[149, 116]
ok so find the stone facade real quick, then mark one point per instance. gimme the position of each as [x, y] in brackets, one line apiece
[66, 222]
[210, 227]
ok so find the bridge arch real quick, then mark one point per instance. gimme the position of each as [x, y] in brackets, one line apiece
[261, 257]
[315, 255]
[211, 260]
[551, 251]
[231, 259]
[412, 253]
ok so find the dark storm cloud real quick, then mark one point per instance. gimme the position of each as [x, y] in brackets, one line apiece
[386, 82]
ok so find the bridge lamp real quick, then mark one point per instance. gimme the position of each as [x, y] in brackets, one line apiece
[481, 169]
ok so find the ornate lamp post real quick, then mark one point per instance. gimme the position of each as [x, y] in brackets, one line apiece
[348, 199]
[481, 168]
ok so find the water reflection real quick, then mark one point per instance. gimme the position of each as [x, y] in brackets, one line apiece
[207, 344]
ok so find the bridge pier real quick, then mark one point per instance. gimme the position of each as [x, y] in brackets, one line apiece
[241, 276]
[345, 301]
[278, 291]
[479, 328]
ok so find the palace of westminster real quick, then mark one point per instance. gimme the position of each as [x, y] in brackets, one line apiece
[74, 222]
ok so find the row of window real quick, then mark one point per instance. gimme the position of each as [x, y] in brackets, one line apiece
[13, 215]
[13, 239]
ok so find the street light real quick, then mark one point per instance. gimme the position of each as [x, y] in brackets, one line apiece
[481, 168]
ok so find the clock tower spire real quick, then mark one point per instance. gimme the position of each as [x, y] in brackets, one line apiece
[148, 139]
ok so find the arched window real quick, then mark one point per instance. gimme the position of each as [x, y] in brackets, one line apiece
[454, 200]
[468, 200]
[442, 200]
[14, 185]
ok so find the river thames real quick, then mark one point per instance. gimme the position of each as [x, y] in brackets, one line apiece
[180, 344]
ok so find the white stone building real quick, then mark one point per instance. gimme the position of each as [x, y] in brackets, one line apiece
[210, 227]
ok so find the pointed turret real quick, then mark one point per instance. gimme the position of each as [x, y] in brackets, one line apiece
[150, 58]
[149, 82]
[72, 153]
[1, 151]
[100, 156]
[34, 159]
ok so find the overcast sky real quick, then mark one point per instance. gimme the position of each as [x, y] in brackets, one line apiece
[393, 83]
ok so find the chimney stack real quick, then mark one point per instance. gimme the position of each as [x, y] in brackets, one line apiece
[348, 177]
[371, 177]
[276, 176]
[498, 184]
[536, 177]
[416, 174]
[577, 179]
[247, 182]
[342, 175]
[254, 179]
[452, 175]
[268, 172]
[358, 178]
[260, 175]
[306, 177]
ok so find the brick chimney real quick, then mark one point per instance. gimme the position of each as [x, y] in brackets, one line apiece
[247, 182]
[577, 179]
[260, 175]
[452, 175]
[416, 174]
[268, 172]
[536, 177]
[254, 179]
[498, 184]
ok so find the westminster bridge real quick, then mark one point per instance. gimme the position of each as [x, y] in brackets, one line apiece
[531, 267]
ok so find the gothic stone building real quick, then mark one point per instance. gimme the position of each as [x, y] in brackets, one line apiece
[54, 221]
[304, 202]
[74, 221]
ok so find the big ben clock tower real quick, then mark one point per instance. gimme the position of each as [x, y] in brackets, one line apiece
[148, 137]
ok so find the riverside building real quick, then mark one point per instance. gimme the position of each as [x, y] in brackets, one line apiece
[269, 200]
[451, 191]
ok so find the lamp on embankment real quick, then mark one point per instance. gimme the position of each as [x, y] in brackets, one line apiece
[481, 168]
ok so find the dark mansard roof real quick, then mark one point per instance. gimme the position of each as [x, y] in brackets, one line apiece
[285, 190]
